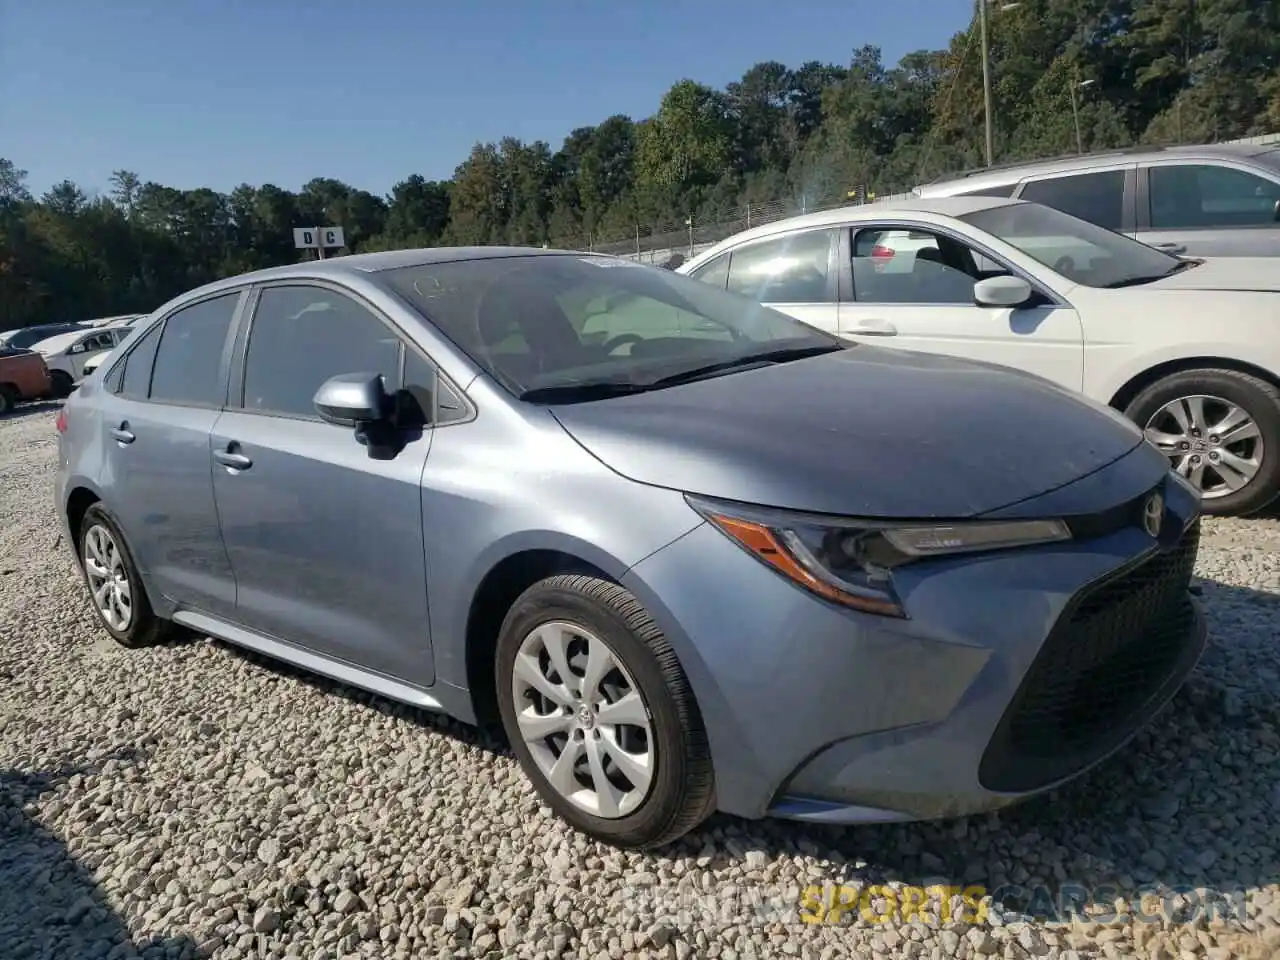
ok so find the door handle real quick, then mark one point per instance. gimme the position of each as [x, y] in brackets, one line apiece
[122, 434]
[873, 328]
[232, 460]
[1171, 247]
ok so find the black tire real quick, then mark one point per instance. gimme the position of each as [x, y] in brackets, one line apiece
[62, 384]
[1258, 398]
[682, 791]
[144, 627]
[8, 398]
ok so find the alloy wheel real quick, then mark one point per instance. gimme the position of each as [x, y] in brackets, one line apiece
[584, 720]
[1212, 442]
[104, 566]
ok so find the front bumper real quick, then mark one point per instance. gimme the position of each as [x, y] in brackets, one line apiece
[1015, 671]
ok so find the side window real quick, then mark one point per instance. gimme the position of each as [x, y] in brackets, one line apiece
[912, 266]
[1203, 195]
[303, 335]
[136, 383]
[715, 273]
[791, 269]
[426, 397]
[1095, 197]
[188, 364]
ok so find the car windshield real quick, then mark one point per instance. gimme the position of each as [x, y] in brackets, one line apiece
[1082, 252]
[559, 322]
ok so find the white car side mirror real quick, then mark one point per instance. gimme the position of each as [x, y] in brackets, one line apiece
[1004, 291]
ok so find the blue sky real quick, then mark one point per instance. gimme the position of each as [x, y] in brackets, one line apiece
[221, 92]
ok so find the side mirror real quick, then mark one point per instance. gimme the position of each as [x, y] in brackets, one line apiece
[1005, 291]
[1277, 217]
[351, 399]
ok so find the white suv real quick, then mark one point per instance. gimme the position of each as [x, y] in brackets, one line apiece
[67, 354]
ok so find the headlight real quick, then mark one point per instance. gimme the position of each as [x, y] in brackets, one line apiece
[851, 562]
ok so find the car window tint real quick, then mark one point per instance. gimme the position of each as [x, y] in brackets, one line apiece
[303, 335]
[1096, 197]
[715, 273]
[1203, 195]
[136, 383]
[909, 266]
[790, 269]
[188, 364]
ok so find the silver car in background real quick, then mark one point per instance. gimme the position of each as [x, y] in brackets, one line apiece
[1217, 200]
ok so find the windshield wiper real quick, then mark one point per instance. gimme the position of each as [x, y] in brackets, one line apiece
[1137, 281]
[581, 392]
[763, 358]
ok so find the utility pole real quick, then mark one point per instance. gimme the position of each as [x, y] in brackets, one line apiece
[986, 79]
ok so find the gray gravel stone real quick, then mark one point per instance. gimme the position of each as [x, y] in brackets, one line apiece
[193, 800]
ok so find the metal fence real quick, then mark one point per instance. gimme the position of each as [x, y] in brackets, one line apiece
[659, 244]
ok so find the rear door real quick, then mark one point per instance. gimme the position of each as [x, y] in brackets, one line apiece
[1209, 209]
[159, 406]
[911, 287]
[795, 273]
[326, 541]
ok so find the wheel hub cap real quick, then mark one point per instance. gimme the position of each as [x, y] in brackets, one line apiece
[582, 717]
[1212, 442]
[108, 578]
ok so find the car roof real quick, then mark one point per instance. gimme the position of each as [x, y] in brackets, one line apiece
[980, 177]
[372, 263]
[897, 207]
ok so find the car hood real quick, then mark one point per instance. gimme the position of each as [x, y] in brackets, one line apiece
[866, 431]
[1246, 274]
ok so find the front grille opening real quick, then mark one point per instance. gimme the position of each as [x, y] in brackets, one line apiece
[1115, 645]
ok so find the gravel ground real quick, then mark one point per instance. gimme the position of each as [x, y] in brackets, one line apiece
[192, 800]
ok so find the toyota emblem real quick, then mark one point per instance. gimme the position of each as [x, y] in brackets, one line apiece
[1153, 514]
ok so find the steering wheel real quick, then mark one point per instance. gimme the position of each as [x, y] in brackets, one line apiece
[621, 340]
[1064, 265]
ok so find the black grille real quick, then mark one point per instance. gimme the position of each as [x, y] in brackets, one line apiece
[1118, 642]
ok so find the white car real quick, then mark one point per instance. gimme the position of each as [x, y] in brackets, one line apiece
[66, 354]
[1187, 348]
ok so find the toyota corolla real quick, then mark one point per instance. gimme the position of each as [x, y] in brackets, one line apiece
[691, 553]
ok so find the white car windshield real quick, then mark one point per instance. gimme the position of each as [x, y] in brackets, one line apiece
[565, 327]
[1082, 252]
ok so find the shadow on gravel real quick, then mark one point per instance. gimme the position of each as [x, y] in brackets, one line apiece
[26, 410]
[1183, 805]
[51, 908]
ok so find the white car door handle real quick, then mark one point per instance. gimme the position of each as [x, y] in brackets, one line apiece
[872, 328]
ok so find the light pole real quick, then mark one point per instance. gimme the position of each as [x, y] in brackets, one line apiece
[986, 74]
[1075, 111]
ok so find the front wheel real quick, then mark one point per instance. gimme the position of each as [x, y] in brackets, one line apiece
[600, 714]
[1220, 430]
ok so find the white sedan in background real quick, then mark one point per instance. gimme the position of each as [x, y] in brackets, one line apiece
[67, 354]
[1187, 348]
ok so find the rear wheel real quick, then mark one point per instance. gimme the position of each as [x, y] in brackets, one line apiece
[600, 714]
[1221, 430]
[115, 586]
[62, 383]
[8, 398]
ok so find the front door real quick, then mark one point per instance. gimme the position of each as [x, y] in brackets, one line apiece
[326, 541]
[1210, 210]
[912, 289]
